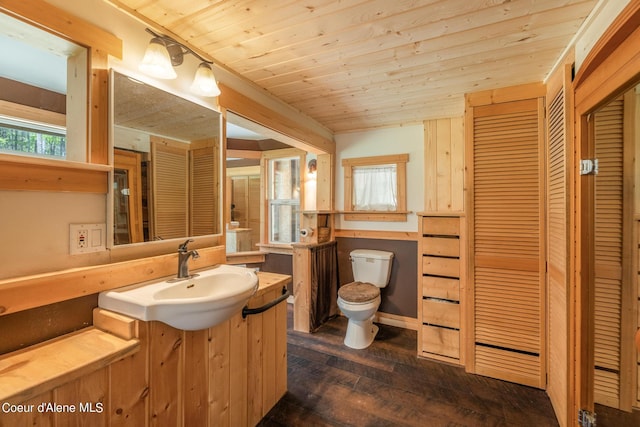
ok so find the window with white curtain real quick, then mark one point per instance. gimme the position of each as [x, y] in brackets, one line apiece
[375, 188]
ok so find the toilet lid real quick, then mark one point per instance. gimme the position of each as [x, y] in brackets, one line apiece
[359, 292]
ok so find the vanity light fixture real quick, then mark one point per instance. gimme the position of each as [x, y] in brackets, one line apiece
[312, 166]
[164, 53]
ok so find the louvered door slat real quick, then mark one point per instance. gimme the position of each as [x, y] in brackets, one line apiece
[608, 128]
[506, 243]
[558, 153]
[204, 216]
[170, 197]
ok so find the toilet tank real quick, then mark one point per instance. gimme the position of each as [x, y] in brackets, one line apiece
[371, 266]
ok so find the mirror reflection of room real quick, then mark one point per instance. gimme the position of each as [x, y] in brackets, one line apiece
[166, 165]
[245, 149]
[268, 185]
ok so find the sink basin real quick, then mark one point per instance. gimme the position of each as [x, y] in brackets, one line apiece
[210, 297]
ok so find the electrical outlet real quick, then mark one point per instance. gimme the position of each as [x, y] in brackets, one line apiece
[85, 238]
[82, 236]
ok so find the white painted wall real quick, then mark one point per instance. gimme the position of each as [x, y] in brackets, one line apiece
[35, 230]
[379, 142]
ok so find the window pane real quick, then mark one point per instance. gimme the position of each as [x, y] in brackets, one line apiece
[22, 137]
[375, 188]
[285, 223]
[285, 179]
[284, 200]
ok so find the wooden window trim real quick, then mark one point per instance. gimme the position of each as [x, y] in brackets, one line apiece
[400, 214]
[65, 175]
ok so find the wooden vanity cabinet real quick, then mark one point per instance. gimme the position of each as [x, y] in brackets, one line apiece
[229, 375]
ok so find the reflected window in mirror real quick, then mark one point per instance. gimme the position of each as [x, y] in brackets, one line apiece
[283, 199]
[41, 88]
[167, 167]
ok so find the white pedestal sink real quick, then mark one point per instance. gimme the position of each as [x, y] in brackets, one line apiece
[209, 298]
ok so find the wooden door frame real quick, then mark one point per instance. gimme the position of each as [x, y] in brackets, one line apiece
[611, 68]
[130, 161]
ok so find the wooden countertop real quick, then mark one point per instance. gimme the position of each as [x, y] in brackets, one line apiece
[267, 281]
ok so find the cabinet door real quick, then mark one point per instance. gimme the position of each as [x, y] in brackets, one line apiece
[507, 242]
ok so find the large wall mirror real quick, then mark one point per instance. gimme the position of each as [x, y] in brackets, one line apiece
[167, 165]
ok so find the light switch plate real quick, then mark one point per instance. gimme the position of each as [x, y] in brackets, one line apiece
[86, 238]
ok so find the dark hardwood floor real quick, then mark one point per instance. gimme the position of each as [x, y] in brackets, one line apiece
[387, 385]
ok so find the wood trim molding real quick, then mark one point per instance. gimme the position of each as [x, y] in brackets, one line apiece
[61, 23]
[98, 114]
[400, 214]
[381, 216]
[497, 96]
[624, 25]
[36, 174]
[248, 108]
[28, 292]
[376, 160]
[398, 321]
[244, 154]
[376, 234]
[27, 112]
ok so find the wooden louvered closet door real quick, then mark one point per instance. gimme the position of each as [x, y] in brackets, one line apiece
[608, 248]
[558, 256]
[170, 190]
[203, 191]
[507, 272]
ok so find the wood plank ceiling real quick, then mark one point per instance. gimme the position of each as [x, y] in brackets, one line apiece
[359, 64]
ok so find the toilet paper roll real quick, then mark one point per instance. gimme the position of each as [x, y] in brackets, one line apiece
[306, 232]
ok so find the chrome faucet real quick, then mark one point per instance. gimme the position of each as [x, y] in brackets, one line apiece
[183, 260]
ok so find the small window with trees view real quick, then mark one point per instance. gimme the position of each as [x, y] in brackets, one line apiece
[31, 138]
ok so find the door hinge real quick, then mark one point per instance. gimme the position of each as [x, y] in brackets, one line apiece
[586, 418]
[589, 166]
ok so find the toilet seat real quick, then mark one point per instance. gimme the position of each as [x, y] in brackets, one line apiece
[359, 292]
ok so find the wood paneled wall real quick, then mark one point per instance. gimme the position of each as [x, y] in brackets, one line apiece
[444, 165]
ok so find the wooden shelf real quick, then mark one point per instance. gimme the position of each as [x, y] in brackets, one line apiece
[382, 216]
[37, 174]
[27, 373]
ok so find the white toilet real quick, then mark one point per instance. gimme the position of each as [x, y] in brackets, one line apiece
[359, 300]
